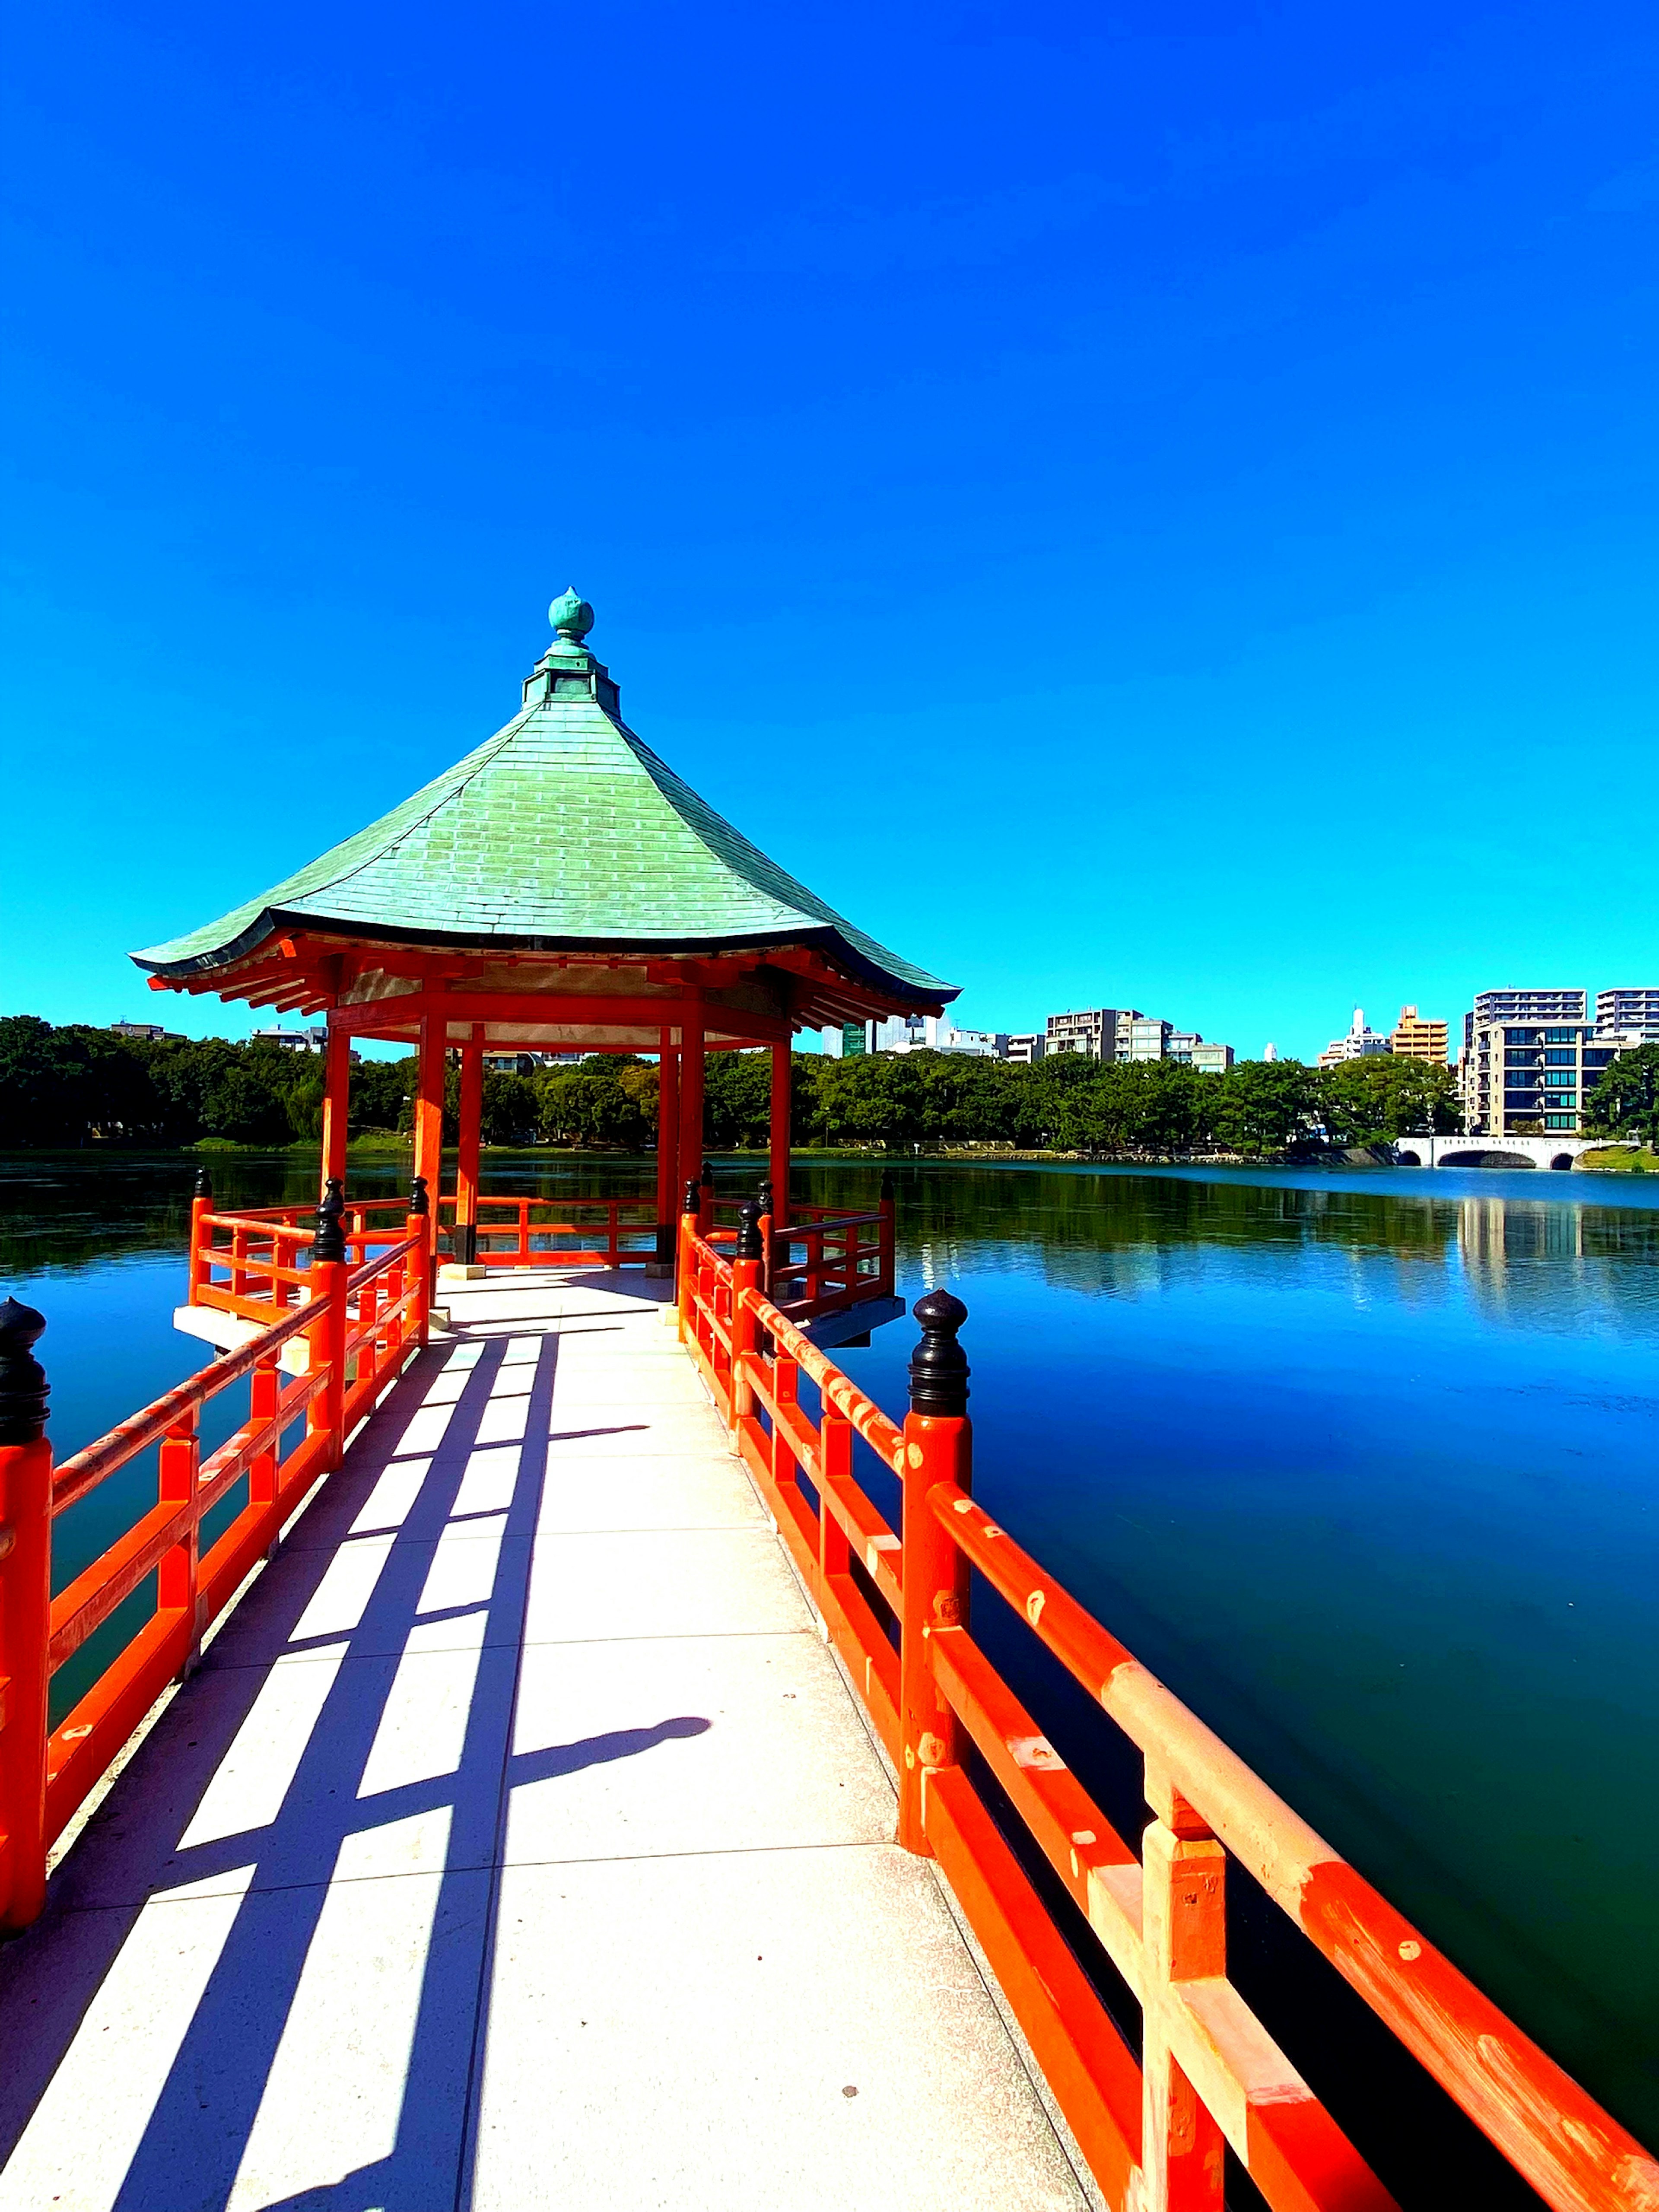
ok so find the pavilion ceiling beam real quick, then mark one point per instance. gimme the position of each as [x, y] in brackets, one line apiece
[547, 1008]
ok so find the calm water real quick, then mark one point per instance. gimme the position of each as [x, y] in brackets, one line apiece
[1364, 1465]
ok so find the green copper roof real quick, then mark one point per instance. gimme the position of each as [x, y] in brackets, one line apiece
[564, 831]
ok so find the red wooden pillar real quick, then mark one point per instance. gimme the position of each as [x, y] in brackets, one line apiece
[668, 1150]
[24, 1615]
[336, 1095]
[937, 1447]
[466, 1173]
[691, 1052]
[778, 1164]
[429, 1122]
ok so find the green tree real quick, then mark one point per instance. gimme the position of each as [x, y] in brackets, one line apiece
[1367, 1102]
[606, 1103]
[1265, 1106]
[736, 1098]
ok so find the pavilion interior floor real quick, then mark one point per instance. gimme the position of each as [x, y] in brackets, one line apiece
[517, 1844]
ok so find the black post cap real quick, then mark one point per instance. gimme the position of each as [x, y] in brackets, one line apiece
[748, 1235]
[693, 1198]
[708, 1175]
[764, 1195]
[886, 1184]
[938, 1366]
[204, 1184]
[330, 1240]
[23, 1384]
[418, 1202]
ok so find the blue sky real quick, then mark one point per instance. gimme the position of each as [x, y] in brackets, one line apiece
[1149, 504]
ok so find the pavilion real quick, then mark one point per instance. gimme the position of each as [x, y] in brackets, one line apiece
[559, 888]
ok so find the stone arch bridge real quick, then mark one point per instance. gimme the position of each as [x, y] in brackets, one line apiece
[1548, 1152]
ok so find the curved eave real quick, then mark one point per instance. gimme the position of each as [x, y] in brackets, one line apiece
[857, 966]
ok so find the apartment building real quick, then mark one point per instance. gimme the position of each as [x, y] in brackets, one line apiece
[1523, 1006]
[1095, 1031]
[1530, 1077]
[1123, 1033]
[528, 1063]
[1414, 1038]
[914, 1033]
[1146, 1039]
[1026, 1049]
[1629, 1011]
[314, 1038]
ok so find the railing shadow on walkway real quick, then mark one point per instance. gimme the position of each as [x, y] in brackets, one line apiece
[372, 1706]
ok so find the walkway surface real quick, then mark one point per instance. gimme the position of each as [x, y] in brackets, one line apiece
[518, 1844]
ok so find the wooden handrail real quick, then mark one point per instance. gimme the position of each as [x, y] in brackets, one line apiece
[84, 1470]
[1152, 2131]
[351, 1358]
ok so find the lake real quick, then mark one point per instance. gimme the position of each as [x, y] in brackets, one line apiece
[1362, 1463]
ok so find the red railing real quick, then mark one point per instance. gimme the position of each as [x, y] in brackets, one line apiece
[560, 1232]
[313, 1372]
[1152, 2125]
[252, 1263]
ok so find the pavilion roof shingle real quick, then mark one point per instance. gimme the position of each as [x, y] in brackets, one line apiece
[564, 831]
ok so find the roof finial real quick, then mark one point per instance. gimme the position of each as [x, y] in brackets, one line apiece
[571, 615]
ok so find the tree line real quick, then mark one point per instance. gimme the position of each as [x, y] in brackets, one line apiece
[73, 1085]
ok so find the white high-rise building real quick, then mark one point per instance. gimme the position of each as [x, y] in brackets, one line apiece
[1358, 1044]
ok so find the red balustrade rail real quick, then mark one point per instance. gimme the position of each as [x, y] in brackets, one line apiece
[313, 1372]
[1153, 2125]
[560, 1232]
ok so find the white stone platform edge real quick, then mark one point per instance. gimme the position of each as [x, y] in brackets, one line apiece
[1068, 2143]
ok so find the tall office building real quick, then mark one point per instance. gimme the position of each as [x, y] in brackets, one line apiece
[1413, 1038]
[1629, 1011]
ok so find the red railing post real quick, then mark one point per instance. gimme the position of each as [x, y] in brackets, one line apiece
[200, 1205]
[765, 1199]
[24, 1615]
[330, 1277]
[368, 1347]
[177, 1484]
[886, 1236]
[1184, 1937]
[419, 1223]
[264, 1400]
[937, 1447]
[685, 1262]
[746, 1265]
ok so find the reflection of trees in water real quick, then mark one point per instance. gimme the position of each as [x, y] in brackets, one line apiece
[1523, 1254]
[69, 1211]
[1113, 1234]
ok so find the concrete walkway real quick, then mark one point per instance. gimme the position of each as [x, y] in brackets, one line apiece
[518, 1844]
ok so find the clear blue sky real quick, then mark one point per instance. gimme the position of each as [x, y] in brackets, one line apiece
[1145, 504]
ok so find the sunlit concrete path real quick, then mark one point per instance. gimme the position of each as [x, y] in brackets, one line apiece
[517, 1844]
